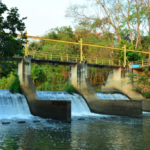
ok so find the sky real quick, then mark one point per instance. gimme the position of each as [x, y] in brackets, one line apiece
[42, 15]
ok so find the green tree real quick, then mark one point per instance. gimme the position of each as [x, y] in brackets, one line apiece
[10, 45]
[141, 82]
[131, 56]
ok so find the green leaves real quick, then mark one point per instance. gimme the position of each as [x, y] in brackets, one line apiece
[131, 56]
[70, 89]
[10, 45]
[38, 75]
[15, 86]
[141, 82]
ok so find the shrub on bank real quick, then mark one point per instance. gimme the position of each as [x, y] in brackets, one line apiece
[15, 86]
[70, 89]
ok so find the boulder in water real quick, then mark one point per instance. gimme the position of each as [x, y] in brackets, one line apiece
[92, 118]
[36, 121]
[103, 118]
[21, 122]
[5, 122]
[81, 118]
[113, 117]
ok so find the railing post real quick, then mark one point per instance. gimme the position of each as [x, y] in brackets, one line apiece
[119, 62]
[33, 54]
[45, 56]
[96, 60]
[26, 48]
[67, 57]
[124, 55]
[142, 62]
[81, 53]
[102, 62]
[51, 56]
[109, 61]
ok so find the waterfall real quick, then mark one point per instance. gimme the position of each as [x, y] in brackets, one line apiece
[78, 105]
[13, 106]
[116, 96]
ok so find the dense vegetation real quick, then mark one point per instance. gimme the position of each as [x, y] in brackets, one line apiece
[10, 45]
[141, 82]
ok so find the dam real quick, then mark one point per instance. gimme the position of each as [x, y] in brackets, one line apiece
[16, 106]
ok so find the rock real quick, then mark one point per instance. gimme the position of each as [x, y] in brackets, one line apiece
[81, 118]
[5, 122]
[36, 121]
[123, 116]
[92, 118]
[49, 120]
[113, 117]
[21, 122]
[103, 118]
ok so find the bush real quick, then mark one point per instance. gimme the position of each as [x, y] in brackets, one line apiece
[70, 89]
[15, 86]
[141, 82]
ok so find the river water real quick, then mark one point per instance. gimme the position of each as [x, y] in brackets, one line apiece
[92, 131]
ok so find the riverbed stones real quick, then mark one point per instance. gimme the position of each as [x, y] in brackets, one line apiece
[92, 118]
[103, 118]
[49, 121]
[20, 122]
[81, 118]
[123, 116]
[5, 122]
[36, 121]
[113, 117]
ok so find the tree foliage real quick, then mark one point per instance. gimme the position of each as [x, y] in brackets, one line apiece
[128, 20]
[141, 82]
[10, 45]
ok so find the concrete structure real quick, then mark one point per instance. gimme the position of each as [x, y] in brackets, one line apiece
[78, 78]
[118, 82]
[59, 110]
[65, 63]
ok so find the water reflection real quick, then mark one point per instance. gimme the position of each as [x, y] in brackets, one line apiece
[115, 134]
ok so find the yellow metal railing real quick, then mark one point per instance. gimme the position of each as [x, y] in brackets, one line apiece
[81, 57]
[141, 62]
[76, 58]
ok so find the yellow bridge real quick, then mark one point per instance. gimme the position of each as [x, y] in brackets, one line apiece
[81, 57]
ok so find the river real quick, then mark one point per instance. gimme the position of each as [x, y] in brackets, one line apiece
[86, 131]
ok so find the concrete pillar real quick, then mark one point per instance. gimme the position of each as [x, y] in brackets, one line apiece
[118, 82]
[78, 78]
[24, 73]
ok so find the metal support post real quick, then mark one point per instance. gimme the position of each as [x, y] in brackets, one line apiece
[81, 53]
[125, 55]
[26, 48]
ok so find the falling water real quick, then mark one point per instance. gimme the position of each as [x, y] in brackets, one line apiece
[116, 96]
[78, 105]
[15, 105]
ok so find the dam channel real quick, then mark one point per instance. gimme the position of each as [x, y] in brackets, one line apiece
[86, 131]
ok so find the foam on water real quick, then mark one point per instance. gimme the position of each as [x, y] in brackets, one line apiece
[116, 96]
